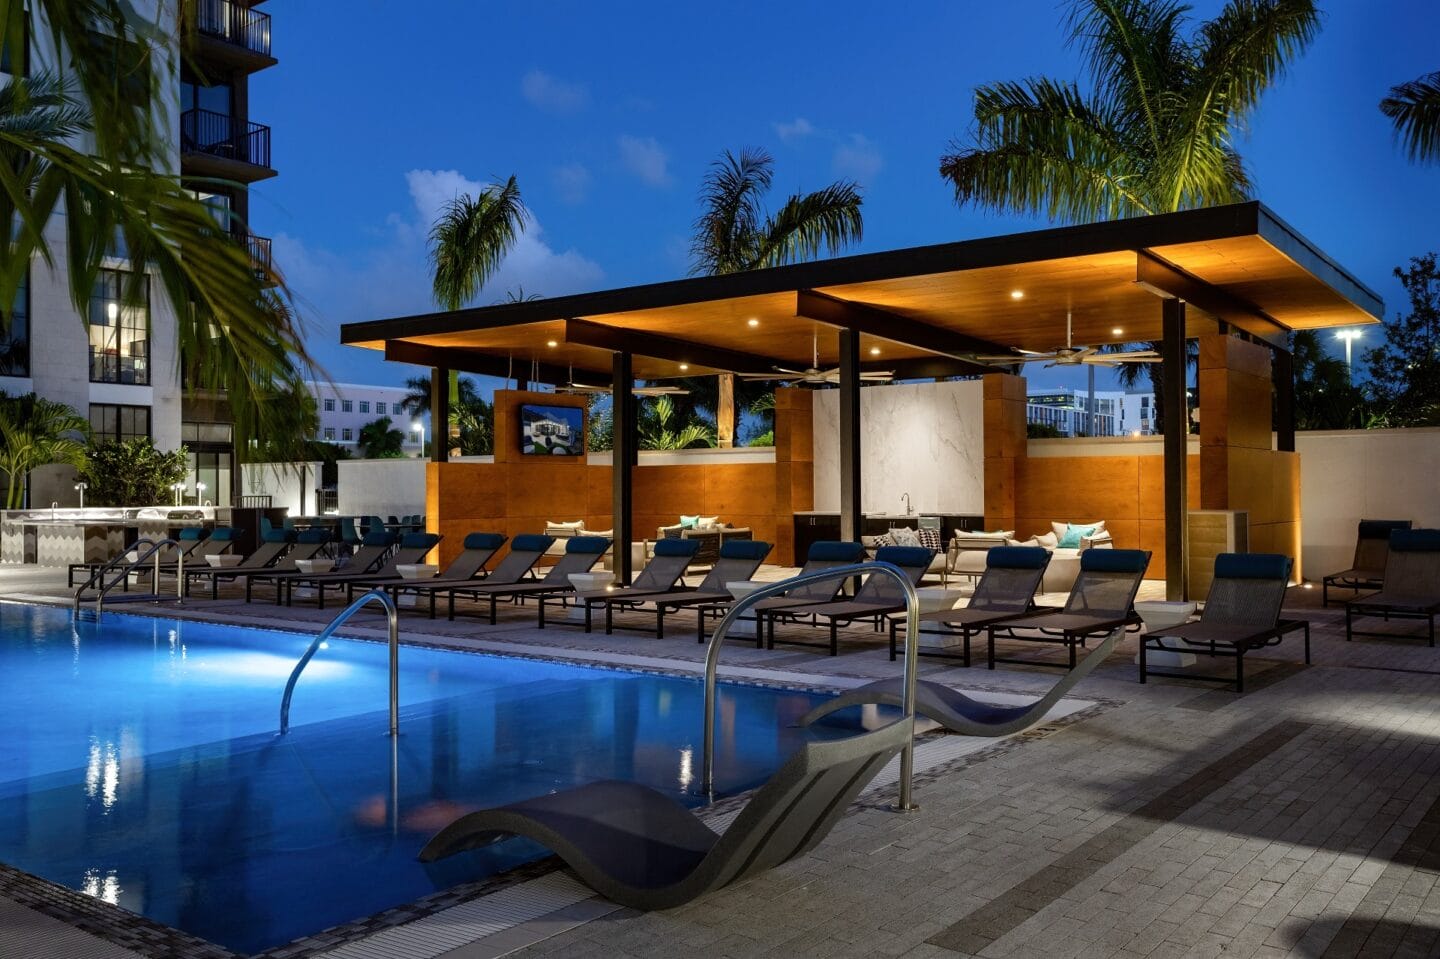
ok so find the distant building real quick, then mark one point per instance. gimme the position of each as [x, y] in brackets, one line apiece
[1116, 412]
[346, 407]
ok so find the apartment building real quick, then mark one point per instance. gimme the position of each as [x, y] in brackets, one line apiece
[123, 370]
[345, 408]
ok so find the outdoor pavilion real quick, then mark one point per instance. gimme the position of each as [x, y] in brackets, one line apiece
[1236, 277]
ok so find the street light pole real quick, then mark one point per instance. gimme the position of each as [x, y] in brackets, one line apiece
[419, 428]
[1349, 337]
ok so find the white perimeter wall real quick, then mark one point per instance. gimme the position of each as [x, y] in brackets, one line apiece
[381, 487]
[925, 439]
[289, 485]
[1347, 476]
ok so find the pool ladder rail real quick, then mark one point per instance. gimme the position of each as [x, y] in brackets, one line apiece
[392, 616]
[146, 551]
[912, 663]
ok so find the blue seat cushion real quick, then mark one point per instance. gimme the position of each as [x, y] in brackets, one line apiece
[1415, 540]
[588, 544]
[744, 549]
[1252, 566]
[1017, 557]
[830, 551]
[484, 540]
[531, 542]
[419, 540]
[312, 536]
[1115, 560]
[673, 547]
[906, 557]
[379, 538]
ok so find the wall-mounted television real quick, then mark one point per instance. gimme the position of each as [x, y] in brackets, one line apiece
[552, 430]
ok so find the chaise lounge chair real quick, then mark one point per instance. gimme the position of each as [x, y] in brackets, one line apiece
[639, 848]
[308, 544]
[518, 565]
[469, 566]
[273, 545]
[581, 555]
[738, 561]
[188, 540]
[1006, 591]
[1101, 601]
[1367, 569]
[1242, 613]
[1412, 585]
[370, 555]
[823, 555]
[877, 597]
[412, 548]
[665, 569]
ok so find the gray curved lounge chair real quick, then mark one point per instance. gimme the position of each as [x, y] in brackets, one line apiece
[959, 713]
[642, 849]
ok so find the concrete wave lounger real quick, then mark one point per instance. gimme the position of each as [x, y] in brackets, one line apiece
[640, 848]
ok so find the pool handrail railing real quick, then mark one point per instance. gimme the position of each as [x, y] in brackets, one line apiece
[153, 548]
[392, 615]
[912, 632]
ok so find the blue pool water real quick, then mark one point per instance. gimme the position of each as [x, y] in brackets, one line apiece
[140, 763]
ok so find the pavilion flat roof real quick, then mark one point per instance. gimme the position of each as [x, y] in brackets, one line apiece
[1239, 264]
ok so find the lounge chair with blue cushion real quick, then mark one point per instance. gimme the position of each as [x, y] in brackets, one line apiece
[273, 545]
[1367, 569]
[517, 566]
[468, 566]
[372, 552]
[1242, 613]
[1412, 585]
[581, 555]
[665, 569]
[640, 848]
[410, 548]
[738, 560]
[1006, 591]
[308, 544]
[822, 555]
[1101, 601]
[876, 597]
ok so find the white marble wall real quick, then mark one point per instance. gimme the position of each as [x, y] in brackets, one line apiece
[925, 439]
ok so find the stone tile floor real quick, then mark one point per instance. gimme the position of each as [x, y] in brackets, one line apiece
[1299, 819]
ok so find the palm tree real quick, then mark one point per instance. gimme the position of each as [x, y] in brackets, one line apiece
[380, 440]
[469, 241]
[37, 432]
[1155, 131]
[236, 326]
[1414, 109]
[733, 234]
[470, 413]
[658, 430]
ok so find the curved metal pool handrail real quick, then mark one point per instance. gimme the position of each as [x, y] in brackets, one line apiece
[153, 550]
[912, 629]
[392, 615]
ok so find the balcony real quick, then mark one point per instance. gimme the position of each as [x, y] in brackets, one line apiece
[234, 33]
[259, 250]
[215, 144]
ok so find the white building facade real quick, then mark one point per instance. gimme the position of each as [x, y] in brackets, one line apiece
[345, 408]
[1068, 411]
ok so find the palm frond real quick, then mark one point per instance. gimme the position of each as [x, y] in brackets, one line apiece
[1134, 50]
[470, 239]
[1245, 50]
[1414, 109]
[727, 232]
[42, 105]
[826, 220]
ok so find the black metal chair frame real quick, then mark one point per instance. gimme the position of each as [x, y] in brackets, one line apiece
[1260, 640]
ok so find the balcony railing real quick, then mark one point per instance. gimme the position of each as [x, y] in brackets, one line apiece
[259, 248]
[234, 23]
[220, 135]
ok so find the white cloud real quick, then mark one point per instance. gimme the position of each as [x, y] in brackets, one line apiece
[858, 158]
[572, 182]
[553, 94]
[645, 158]
[794, 131]
[391, 276]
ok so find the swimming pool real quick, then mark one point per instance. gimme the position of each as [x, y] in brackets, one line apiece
[140, 763]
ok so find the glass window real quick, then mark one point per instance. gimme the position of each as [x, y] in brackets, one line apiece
[364, 406]
[330, 432]
[120, 328]
[347, 434]
[15, 333]
[110, 422]
[211, 467]
[380, 408]
[215, 97]
[329, 406]
[215, 434]
[346, 406]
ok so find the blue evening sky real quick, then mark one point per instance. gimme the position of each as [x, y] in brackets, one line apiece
[609, 114]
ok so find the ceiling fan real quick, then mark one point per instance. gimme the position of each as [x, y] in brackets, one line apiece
[587, 389]
[814, 376]
[1072, 355]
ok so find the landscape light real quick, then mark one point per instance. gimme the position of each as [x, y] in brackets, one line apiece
[1348, 337]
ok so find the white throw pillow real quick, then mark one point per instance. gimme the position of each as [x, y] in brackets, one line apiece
[904, 536]
[1060, 528]
[1048, 540]
[709, 522]
[1032, 541]
[579, 524]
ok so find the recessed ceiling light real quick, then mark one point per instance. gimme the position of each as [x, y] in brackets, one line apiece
[874, 351]
[1017, 294]
[684, 366]
[752, 321]
[552, 343]
[1117, 331]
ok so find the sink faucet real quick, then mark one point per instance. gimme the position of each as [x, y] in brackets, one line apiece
[53, 507]
[906, 498]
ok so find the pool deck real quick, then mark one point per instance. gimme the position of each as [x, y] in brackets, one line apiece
[1173, 819]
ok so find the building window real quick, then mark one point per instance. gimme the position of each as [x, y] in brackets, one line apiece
[380, 408]
[212, 97]
[112, 423]
[347, 434]
[364, 406]
[346, 406]
[329, 406]
[330, 433]
[120, 328]
[15, 333]
[195, 434]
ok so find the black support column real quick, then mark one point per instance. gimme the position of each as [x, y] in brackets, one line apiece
[851, 515]
[439, 415]
[1177, 446]
[624, 458]
[1284, 367]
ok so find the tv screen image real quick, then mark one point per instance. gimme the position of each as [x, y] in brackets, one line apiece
[552, 430]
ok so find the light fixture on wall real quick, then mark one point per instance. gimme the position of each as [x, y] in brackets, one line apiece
[81, 488]
[874, 351]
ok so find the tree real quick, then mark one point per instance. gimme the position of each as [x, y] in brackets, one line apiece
[37, 432]
[469, 241]
[1414, 109]
[235, 322]
[1405, 369]
[470, 413]
[379, 440]
[733, 234]
[132, 473]
[659, 429]
[1325, 398]
[1155, 131]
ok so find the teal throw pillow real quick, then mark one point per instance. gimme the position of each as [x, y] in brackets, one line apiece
[1073, 535]
[689, 522]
